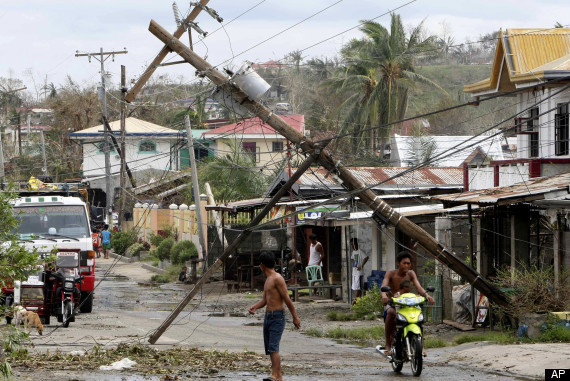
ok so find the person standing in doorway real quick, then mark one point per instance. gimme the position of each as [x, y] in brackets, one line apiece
[275, 294]
[106, 238]
[359, 259]
[316, 252]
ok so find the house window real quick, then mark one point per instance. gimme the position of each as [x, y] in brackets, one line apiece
[561, 129]
[101, 147]
[147, 146]
[251, 149]
[533, 127]
[277, 146]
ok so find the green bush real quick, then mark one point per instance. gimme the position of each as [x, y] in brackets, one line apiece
[183, 251]
[120, 241]
[155, 239]
[163, 250]
[135, 249]
[370, 303]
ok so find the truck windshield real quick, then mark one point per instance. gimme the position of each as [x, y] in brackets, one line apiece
[51, 221]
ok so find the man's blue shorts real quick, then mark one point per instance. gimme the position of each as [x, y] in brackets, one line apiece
[273, 326]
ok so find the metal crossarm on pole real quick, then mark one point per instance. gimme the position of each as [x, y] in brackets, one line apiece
[374, 202]
[162, 54]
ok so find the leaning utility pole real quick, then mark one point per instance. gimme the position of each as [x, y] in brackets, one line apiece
[382, 212]
[195, 188]
[102, 57]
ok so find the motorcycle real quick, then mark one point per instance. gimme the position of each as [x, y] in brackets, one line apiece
[408, 343]
[282, 266]
[69, 294]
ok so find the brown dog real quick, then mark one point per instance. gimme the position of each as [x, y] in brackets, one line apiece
[33, 320]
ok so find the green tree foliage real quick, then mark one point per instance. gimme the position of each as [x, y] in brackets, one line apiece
[183, 251]
[376, 79]
[15, 260]
[232, 175]
[120, 241]
[163, 250]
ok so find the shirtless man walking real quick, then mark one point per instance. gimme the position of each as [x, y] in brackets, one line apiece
[393, 279]
[274, 295]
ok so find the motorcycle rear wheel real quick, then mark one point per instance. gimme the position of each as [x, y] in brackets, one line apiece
[417, 354]
[66, 313]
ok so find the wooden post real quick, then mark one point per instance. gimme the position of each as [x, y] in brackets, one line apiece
[162, 54]
[234, 245]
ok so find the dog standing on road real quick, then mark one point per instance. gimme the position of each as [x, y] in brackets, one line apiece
[33, 320]
[30, 319]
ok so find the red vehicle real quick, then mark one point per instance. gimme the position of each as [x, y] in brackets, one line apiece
[54, 290]
[52, 220]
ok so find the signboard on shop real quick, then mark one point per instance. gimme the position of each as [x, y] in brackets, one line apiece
[313, 213]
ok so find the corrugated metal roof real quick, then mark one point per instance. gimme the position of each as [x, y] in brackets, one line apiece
[403, 148]
[534, 189]
[529, 54]
[428, 176]
[254, 126]
[133, 126]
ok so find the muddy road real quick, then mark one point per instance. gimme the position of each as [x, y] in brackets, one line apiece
[127, 309]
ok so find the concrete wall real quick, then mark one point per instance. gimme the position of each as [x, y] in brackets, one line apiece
[94, 161]
[264, 146]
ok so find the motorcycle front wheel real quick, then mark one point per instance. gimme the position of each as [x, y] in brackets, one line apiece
[417, 354]
[66, 313]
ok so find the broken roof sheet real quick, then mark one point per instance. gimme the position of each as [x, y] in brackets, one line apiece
[533, 189]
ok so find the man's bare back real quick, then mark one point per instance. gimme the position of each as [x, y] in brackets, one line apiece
[271, 292]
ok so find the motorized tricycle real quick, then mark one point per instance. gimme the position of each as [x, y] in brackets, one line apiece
[52, 289]
[408, 343]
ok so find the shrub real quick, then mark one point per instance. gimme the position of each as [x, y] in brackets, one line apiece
[183, 251]
[120, 241]
[533, 291]
[155, 239]
[163, 250]
[135, 249]
[370, 303]
[146, 245]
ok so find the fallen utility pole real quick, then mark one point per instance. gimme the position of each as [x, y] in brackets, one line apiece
[235, 243]
[162, 54]
[382, 212]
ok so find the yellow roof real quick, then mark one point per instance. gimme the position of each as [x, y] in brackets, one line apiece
[133, 126]
[525, 55]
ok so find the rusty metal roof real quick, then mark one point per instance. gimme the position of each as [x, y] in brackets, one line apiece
[539, 188]
[422, 177]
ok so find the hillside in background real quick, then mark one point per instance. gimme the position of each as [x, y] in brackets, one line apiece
[469, 120]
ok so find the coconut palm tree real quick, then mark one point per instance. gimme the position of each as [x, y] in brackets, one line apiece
[376, 79]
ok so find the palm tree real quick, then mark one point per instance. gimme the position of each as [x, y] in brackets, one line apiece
[377, 77]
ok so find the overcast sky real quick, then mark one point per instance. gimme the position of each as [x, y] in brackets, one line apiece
[39, 38]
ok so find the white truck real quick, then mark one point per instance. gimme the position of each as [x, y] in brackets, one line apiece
[53, 219]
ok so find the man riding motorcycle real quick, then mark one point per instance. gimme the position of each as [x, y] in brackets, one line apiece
[393, 279]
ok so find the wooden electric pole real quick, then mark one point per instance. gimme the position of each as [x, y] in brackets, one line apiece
[102, 57]
[382, 212]
[122, 152]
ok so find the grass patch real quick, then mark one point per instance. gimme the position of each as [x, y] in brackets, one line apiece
[340, 316]
[434, 342]
[353, 334]
[253, 296]
[555, 334]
